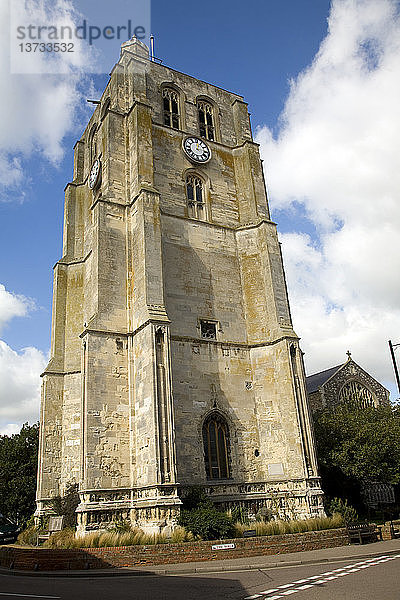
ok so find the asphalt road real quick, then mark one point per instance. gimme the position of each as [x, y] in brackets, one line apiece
[363, 579]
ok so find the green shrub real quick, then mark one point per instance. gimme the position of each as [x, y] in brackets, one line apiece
[348, 512]
[208, 523]
[195, 497]
[238, 514]
[266, 514]
[120, 526]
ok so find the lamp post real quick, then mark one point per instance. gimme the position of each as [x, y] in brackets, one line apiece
[396, 372]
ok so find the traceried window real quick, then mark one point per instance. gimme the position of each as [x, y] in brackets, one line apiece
[353, 392]
[195, 197]
[216, 447]
[171, 107]
[206, 119]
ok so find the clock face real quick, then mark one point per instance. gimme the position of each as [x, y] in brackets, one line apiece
[94, 174]
[196, 149]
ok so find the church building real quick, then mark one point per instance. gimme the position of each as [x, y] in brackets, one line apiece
[346, 384]
[173, 357]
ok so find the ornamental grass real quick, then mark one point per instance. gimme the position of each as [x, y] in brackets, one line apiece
[279, 527]
[113, 538]
[110, 539]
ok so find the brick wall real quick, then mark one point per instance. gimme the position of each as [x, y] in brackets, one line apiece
[43, 559]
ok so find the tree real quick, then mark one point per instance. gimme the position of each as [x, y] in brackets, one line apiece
[355, 444]
[18, 467]
[200, 516]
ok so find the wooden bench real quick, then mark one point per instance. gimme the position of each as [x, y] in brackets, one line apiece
[395, 529]
[358, 532]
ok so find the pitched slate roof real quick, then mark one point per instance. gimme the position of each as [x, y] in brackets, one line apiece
[313, 382]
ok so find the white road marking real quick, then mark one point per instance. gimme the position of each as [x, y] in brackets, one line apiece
[26, 595]
[315, 579]
[305, 587]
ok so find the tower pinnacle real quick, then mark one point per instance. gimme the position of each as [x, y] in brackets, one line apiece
[135, 46]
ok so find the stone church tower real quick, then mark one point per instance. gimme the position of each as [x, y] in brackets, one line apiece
[173, 361]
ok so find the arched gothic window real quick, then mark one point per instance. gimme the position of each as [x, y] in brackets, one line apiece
[353, 392]
[195, 197]
[216, 447]
[171, 107]
[206, 119]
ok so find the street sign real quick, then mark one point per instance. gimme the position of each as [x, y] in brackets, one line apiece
[249, 533]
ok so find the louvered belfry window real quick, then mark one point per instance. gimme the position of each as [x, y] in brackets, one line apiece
[195, 197]
[206, 120]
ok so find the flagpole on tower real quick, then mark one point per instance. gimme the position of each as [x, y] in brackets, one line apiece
[152, 47]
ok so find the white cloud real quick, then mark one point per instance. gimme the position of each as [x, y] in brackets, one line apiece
[10, 429]
[13, 305]
[41, 108]
[19, 385]
[337, 154]
[19, 371]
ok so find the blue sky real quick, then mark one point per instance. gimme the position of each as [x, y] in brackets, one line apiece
[323, 102]
[253, 52]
